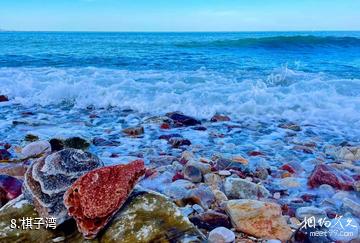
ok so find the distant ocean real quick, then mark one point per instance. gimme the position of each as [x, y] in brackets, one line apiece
[310, 77]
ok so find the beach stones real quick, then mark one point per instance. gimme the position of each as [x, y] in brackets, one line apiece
[236, 188]
[177, 142]
[325, 174]
[348, 153]
[10, 188]
[290, 126]
[150, 217]
[36, 149]
[4, 154]
[181, 120]
[56, 144]
[307, 212]
[15, 170]
[49, 177]
[3, 98]
[221, 235]
[31, 138]
[201, 195]
[259, 219]
[76, 143]
[96, 196]
[134, 131]
[192, 173]
[210, 219]
[219, 118]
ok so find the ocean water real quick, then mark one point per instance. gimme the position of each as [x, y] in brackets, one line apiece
[308, 77]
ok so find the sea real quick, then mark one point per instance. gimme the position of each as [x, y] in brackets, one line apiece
[309, 78]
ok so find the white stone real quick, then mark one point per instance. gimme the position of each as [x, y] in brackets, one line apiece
[224, 173]
[308, 212]
[221, 235]
[35, 149]
[273, 241]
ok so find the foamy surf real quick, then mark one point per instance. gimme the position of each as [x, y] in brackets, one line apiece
[284, 93]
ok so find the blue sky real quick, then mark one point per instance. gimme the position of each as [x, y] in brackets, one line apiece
[184, 15]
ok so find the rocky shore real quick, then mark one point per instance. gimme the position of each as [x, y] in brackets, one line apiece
[175, 178]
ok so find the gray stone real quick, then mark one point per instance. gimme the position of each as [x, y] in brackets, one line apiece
[236, 188]
[221, 234]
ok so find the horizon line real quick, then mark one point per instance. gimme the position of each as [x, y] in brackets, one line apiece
[180, 31]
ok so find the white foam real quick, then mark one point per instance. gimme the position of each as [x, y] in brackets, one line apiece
[286, 93]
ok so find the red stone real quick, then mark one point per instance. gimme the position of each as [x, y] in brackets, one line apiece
[288, 168]
[325, 174]
[256, 153]
[96, 196]
[178, 176]
[3, 98]
[150, 173]
[165, 126]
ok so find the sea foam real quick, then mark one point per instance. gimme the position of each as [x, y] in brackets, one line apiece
[310, 97]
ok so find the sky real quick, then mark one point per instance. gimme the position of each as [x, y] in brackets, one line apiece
[183, 15]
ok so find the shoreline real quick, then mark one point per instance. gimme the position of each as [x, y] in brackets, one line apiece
[205, 167]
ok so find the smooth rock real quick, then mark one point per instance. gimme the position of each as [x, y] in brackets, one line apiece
[176, 142]
[290, 182]
[201, 195]
[56, 144]
[226, 164]
[204, 167]
[213, 180]
[10, 188]
[36, 149]
[221, 235]
[97, 195]
[219, 118]
[236, 188]
[76, 143]
[3, 98]
[31, 138]
[103, 142]
[48, 178]
[4, 154]
[290, 126]
[134, 131]
[192, 173]
[150, 217]
[15, 170]
[178, 189]
[257, 218]
[224, 173]
[210, 219]
[307, 212]
[325, 174]
[261, 173]
[220, 197]
[348, 153]
[181, 120]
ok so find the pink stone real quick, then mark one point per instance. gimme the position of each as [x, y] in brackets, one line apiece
[96, 196]
[10, 187]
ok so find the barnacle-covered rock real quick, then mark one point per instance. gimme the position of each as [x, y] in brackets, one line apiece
[48, 178]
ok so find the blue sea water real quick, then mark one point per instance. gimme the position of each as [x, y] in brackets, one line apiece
[311, 77]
